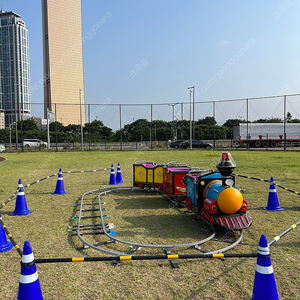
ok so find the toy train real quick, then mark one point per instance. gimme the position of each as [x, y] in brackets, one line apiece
[212, 195]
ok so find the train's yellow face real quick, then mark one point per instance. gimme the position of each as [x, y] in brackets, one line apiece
[230, 200]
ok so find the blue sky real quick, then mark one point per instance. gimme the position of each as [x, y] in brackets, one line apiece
[152, 51]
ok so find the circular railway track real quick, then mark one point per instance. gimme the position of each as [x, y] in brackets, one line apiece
[133, 246]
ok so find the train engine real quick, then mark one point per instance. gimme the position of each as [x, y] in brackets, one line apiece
[215, 198]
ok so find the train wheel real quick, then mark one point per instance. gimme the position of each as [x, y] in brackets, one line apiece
[202, 214]
[179, 198]
[188, 203]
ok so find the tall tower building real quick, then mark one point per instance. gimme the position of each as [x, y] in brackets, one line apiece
[63, 61]
[14, 68]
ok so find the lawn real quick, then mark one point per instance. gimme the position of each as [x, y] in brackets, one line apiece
[144, 217]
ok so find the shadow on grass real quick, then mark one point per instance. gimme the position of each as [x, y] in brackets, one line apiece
[206, 287]
[142, 202]
[6, 213]
[40, 192]
[166, 226]
[288, 245]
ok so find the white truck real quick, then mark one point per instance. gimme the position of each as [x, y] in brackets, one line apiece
[267, 134]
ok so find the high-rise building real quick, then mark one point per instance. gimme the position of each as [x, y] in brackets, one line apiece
[63, 61]
[2, 119]
[14, 68]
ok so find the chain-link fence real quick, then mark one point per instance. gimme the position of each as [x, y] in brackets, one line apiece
[116, 117]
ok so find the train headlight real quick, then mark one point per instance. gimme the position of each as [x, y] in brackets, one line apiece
[229, 182]
[230, 200]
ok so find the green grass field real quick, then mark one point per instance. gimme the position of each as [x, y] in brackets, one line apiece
[147, 218]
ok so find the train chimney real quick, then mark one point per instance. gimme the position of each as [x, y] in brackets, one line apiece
[226, 167]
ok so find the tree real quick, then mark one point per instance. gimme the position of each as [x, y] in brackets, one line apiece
[139, 128]
[4, 135]
[96, 131]
[162, 130]
[230, 122]
[57, 125]
[295, 121]
[206, 121]
[94, 127]
[271, 120]
[28, 124]
[35, 134]
[288, 117]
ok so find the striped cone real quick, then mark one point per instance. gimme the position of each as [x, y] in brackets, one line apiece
[29, 285]
[264, 282]
[60, 190]
[119, 175]
[5, 245]
[273, 203]
[20, 184]
[112, 178]
[21, 205]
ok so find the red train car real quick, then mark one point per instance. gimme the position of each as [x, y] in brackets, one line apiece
[173, 174]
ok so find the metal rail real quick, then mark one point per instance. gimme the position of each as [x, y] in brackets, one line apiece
[138, 245]
[121, 256]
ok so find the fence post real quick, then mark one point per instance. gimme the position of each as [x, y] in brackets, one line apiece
[151, 128]
[120, 110]
[89, 127]
[56, 128]
[284, 121]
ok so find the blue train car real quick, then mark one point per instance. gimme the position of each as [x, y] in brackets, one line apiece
[214, 197]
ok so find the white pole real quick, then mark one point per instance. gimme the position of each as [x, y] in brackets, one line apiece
[191, 141]
[81, 129]
[193, 112]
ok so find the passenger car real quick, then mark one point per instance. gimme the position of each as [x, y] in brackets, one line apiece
[176, 144]
[28, 143]
[2, 148]
[195, 144]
